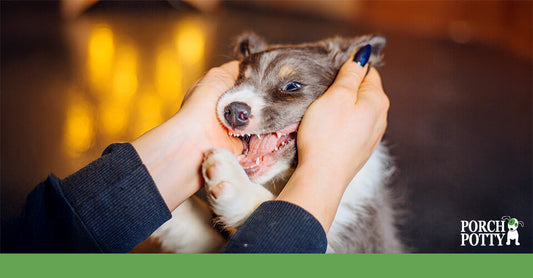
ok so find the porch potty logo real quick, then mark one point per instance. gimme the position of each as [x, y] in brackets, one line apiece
[490, 233]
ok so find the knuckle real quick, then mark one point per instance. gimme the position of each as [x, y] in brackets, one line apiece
[373, 75]
[385, 102]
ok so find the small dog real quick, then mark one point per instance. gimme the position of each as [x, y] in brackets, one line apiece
[275, 86]
[512, 226]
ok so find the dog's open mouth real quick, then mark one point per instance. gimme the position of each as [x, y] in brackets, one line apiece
[262, 150]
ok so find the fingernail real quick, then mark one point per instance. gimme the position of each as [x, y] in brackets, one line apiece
[362, 56]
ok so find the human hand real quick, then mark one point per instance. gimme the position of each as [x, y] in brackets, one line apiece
[337, 135]
[199, 106]
[341, 129]
[173, 151]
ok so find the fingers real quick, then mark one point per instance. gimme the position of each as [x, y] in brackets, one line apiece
[218, 79]
[227, 73]
[364, 89]
[349, 79]
[372, 99]
[223, 77]
[371, 91]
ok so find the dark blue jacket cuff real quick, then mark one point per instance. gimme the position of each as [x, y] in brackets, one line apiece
[279, 227]
[116, 199]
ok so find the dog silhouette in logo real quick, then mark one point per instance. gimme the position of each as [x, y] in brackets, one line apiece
[512, 225]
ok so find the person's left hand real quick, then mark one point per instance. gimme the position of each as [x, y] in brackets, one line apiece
[199, 107]
[173, 151]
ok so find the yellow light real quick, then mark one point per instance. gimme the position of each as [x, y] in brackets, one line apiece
[79, 129]
[125, 74]
[190, 41]
[168, 77]
[113, 119]
[148, 114]
[100, 55]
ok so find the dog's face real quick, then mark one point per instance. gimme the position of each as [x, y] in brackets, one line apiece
[512, 224]
[275, 86]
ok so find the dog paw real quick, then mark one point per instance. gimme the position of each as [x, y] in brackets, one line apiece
[222, 173]
[231, 194]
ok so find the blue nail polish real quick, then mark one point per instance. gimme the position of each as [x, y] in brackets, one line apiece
[362, 56]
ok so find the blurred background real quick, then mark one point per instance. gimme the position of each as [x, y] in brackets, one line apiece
[79, 75]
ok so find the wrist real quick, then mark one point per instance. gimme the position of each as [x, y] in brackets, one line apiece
[317, 188]
[325, 171]
[172, 153]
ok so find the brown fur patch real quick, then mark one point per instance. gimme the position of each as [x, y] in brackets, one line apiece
[247, 72]
[285, 72]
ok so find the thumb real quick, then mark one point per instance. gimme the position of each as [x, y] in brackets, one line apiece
[352, 73]
[218, 79]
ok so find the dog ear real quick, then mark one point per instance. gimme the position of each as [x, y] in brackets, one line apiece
[341, 48]
[249, 43]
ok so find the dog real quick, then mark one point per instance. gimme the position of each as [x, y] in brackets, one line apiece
[276, 84]
[512, 226]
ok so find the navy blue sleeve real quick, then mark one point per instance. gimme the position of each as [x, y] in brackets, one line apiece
[110, 205]
[279, 227]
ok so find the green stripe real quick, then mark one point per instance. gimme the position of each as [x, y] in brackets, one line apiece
[235, 265]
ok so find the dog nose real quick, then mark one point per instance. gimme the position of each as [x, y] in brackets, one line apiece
[237, 114]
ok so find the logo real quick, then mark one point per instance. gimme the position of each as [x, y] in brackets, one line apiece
[490, 233]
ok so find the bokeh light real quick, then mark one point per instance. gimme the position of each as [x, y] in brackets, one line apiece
[190, 41]
[131, 86]
[79, 130]
[100, 52]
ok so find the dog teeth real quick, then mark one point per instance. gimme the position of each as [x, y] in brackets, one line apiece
[259, 136]
[257, 161]
[275, 148]
[278, 135]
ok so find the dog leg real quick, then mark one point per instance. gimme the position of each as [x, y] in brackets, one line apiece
[232, 195]
[190, 230]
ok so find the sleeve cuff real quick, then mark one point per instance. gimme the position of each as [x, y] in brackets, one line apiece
[279, 227]
[117, 199]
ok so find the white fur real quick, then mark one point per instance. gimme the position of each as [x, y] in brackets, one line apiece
[366, 187]
[240, 197]
[247, 95]
[190, 230]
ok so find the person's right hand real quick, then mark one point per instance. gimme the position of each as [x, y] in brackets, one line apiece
[336, 137]
[342, 128]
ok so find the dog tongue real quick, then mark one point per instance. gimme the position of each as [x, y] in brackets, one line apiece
[262, 145]
[258, 148]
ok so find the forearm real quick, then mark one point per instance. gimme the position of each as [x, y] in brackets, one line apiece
[110, 205]
[317, 189]
[173, 160]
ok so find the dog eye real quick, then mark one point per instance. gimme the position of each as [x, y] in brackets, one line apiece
[293, 86]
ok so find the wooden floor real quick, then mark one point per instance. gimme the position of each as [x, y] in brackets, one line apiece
[459, 125]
